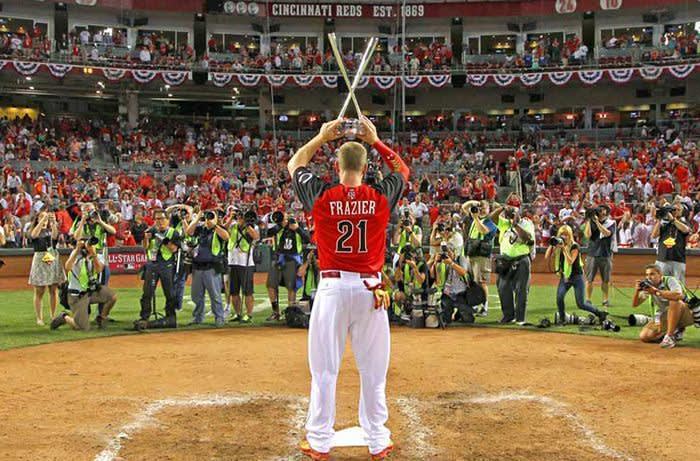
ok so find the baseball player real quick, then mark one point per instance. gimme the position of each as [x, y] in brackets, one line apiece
[351, 219]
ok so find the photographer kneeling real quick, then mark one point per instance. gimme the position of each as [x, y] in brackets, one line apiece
[83, 268]
[566, 256]
[450, 277]
[673, 314]
[411, 278]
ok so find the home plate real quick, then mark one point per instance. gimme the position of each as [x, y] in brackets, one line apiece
[350, 437]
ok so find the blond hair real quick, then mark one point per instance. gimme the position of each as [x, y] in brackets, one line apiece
[565, 229]
[352, 156]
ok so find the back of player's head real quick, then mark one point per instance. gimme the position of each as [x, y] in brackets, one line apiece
[352, 156]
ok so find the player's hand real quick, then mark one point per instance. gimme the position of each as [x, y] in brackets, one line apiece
[381, 297]
[367, 131]
[330, 131]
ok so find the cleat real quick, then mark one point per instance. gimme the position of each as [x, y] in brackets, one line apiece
[306, 449]
[668, 342]
[235, 318]
[275, 316]
[246, 319]
[384, 454]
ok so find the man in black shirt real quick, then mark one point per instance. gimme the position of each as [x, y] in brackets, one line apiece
[600, 230]
[288, 240]
[672, 232]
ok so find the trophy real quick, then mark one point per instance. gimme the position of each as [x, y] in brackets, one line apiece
[351, 126]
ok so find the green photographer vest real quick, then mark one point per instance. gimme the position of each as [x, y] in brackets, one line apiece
[404, 240]
[234, 241]
[165, 252]
[278, 239]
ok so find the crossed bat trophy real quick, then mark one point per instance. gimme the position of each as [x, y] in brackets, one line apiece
[352, 126]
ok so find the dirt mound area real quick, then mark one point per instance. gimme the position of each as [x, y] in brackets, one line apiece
[482, 394]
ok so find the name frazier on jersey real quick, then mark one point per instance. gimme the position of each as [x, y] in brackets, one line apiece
[359, 207]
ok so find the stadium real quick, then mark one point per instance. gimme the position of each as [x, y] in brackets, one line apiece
[223, 221]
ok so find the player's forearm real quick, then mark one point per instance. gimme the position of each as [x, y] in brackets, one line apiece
[304, 155]
[392, 159]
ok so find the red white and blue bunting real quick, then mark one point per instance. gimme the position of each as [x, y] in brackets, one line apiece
[681, 71]
[560, 78]
[175, 78]
[59, 70]
[621, 75]
[112, 74]
[531, 79]
[249, 79]
[504, 79]
[144, 76]
[412, 81]
[439, 80]
[589, 77]
[26, 68]
[329, 81]
[383, 82]
[303, 80]
[221, 79]
[650, 73]
[477, 80]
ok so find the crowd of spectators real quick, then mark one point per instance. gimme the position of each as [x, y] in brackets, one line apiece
[558, 184]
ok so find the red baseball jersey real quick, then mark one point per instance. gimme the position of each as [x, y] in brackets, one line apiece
[349, 222]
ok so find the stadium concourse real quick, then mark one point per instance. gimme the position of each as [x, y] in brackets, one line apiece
[172, 244]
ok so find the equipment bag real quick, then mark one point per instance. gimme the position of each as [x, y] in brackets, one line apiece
[296, 317]
[63, 295]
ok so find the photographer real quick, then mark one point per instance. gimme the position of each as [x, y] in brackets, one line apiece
[244, 232]
[161, 243]
[673, 314]
[449, 275]
[444, 230]
[406, 233]
[481, 232]
[288, 240]
[180, 219]
[46, 272]
[207, 264]
[672, 232]
[93, 223]
[517, 243]
[411, 277]
[309, 272]
[600, 231]
[566, 256]
[84, 267]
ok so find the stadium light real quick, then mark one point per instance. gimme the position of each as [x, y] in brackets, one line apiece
[31, 87]
[28, 78]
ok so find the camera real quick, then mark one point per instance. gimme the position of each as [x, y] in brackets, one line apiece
[406, 222]
[664, 212]
[371, 176]
[250, 218]
[291, 221]
[444, 251]
[209, 215]
[277, 217]
[609, 325]
[183, 213]
[554, 241]
[475, 209]
[92, 214]
[408, 254]
[591, 213]
[644, 284]
[91, 241]
[509, 213]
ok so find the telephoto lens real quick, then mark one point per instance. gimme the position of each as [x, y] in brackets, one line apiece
[474, 209]
[638, 320]
[610, 326]
[554, 241]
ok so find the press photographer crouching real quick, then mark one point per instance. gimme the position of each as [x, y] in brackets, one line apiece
[675, 307]
[207, 264]
[244, 232]
[513, 265]
[672, 231]
[451, 279]
[84, 267]
[161, 243]
[565, 255]
[411, 280]
[480, 232]
[600, 231]
[288, 240]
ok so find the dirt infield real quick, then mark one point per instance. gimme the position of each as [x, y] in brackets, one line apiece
[481, 394]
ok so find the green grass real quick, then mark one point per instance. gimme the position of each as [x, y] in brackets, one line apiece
[18, 328]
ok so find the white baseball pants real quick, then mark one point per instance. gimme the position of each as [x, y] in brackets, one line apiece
[344, 305]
